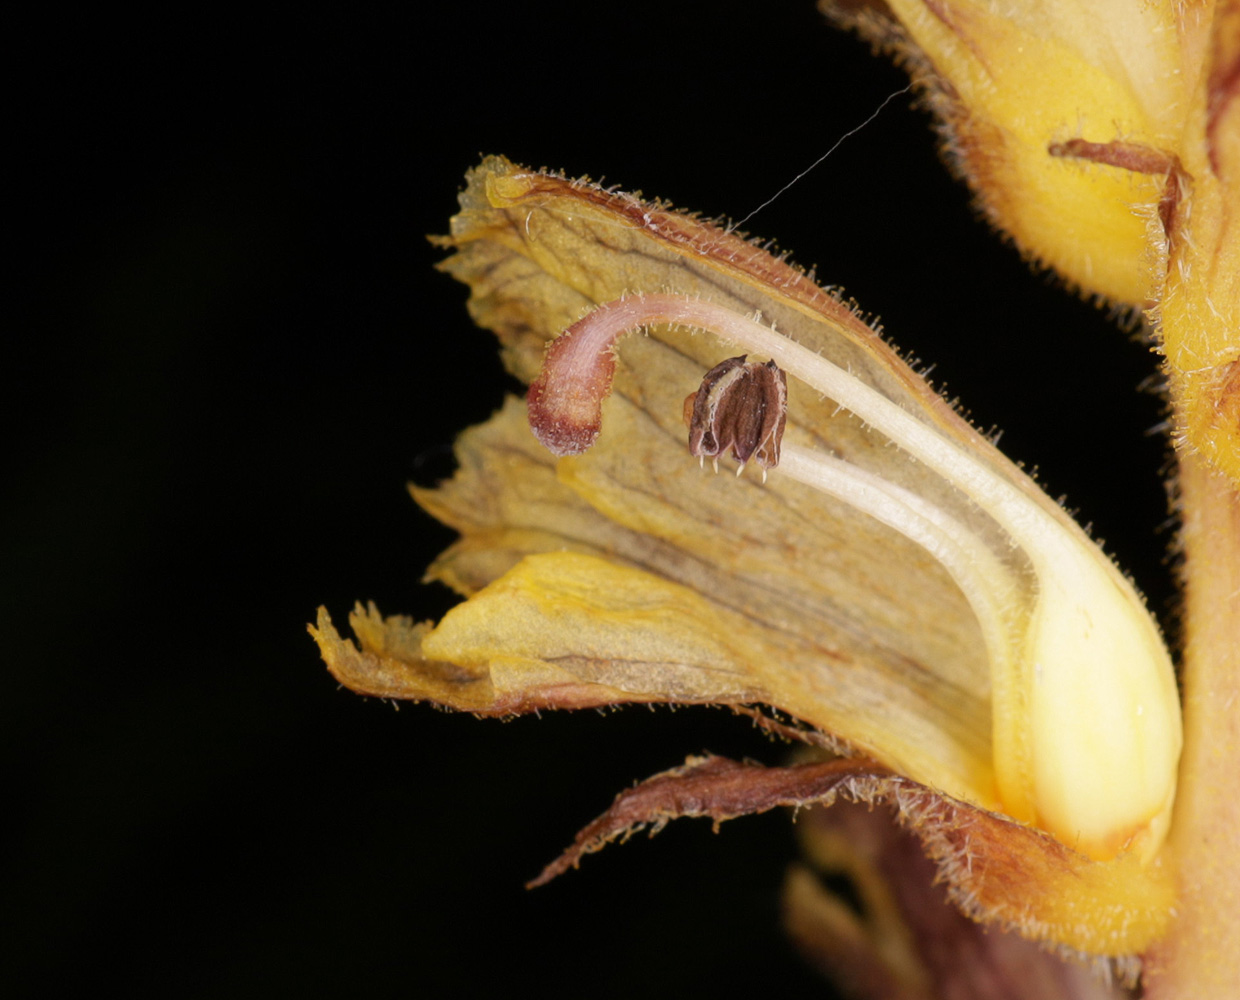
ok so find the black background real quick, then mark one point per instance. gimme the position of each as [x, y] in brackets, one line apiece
[230, 354]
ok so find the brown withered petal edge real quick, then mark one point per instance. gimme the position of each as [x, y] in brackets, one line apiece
[718, 788]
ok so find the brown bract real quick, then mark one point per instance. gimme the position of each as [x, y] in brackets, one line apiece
[990, 864]
[895, 934]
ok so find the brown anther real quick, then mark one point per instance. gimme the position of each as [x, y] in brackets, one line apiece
[740, 407]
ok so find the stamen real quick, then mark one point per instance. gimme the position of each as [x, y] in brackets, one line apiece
[741, 407]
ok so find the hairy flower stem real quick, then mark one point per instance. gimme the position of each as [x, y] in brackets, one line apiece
[1200, 957]
[1086, 721]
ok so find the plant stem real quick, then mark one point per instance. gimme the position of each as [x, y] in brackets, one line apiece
[1200, 957]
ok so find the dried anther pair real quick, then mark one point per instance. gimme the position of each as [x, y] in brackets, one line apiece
[741, 407]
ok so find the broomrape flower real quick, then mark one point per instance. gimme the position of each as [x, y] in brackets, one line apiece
[889, 587]
[895, 586]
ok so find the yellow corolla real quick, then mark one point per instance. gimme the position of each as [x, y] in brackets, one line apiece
[895, 587]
